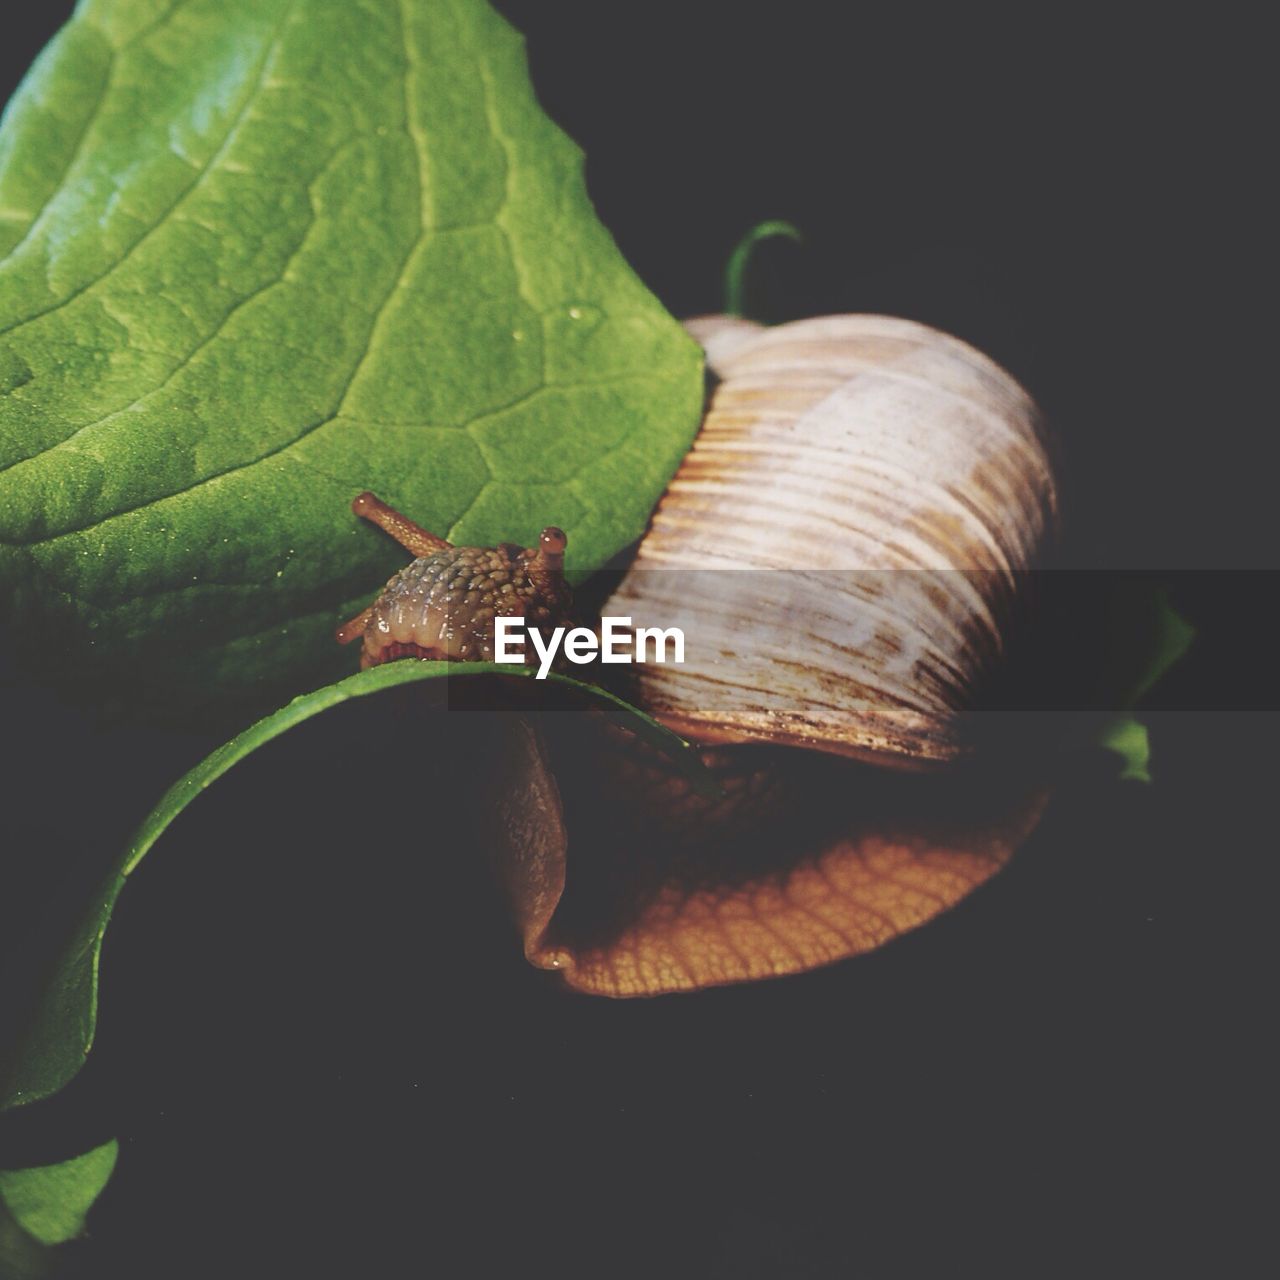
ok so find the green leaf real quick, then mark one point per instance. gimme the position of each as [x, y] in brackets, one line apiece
[1167, 638]
[55, 1046]
[260, 255]
[50, 1202]
[1155, 638]
[1128, 738]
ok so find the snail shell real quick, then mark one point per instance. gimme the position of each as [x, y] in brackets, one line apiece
[891, 485]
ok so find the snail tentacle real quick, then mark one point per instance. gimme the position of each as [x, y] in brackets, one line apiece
[416, 540]
[354, 629]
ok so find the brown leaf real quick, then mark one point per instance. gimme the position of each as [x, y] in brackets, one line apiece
[629, 884]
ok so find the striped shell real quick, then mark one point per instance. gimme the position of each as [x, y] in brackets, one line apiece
[889, 485]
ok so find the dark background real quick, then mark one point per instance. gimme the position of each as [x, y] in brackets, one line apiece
[336, 1063]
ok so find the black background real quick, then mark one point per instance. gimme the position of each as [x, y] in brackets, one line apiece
[319, 1044]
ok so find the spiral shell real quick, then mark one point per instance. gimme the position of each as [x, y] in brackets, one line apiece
[891, 486]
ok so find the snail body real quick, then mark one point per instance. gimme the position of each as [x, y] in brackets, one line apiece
[444, 603]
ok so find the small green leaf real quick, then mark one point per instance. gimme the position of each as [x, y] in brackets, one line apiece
[1155, 638]
[55, 1046]
[50, 1202]
[1169, 636]
[260, 255]
[1128, 738]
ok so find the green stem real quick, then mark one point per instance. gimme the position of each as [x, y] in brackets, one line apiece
[736, 270]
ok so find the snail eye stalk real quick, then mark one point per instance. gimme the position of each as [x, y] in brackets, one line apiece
[551, 544]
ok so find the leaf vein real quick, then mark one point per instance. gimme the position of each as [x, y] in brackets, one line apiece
[242, 114]
[77, 148]
[185, 361]
[343, 393]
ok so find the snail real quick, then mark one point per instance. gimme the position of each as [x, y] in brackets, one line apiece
[847, 544]
[443, 604]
